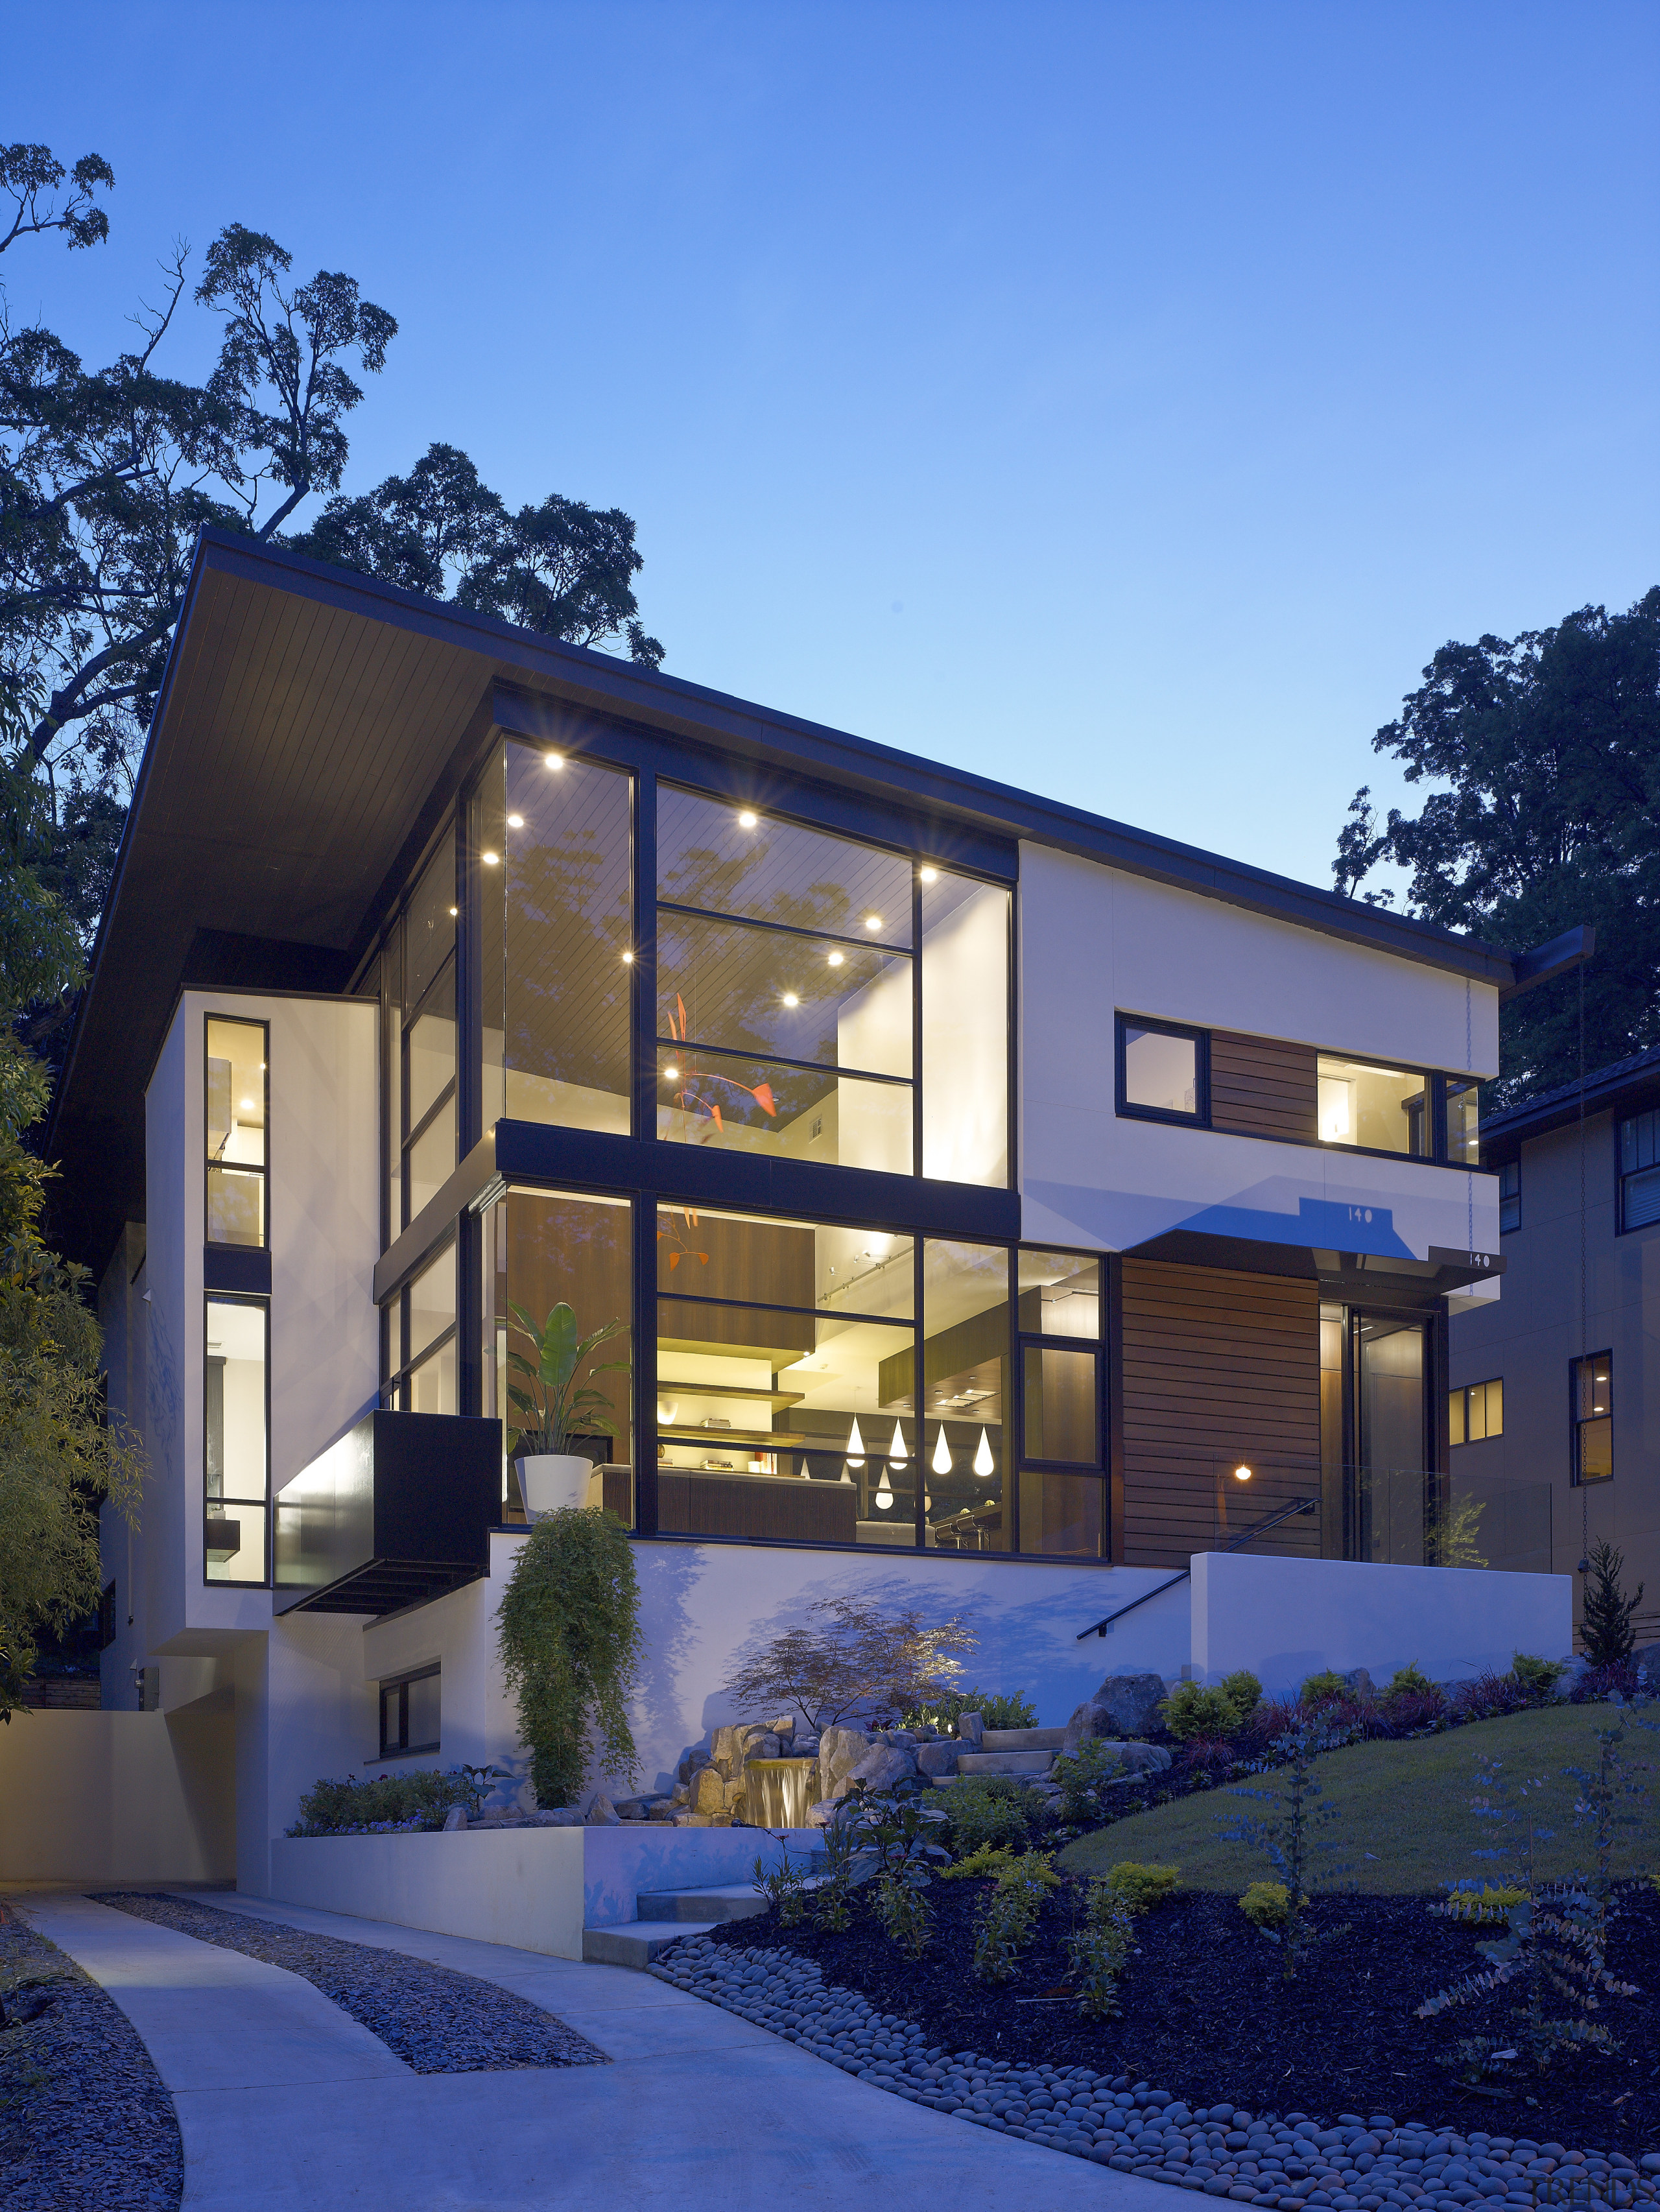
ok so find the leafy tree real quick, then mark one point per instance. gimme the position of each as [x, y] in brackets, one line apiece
[58, 1455]
[1548, 745]
[1608, 1635]
[850, 1657]
[563, 569]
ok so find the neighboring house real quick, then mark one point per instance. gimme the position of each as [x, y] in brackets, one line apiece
[1556, 1389]
[1001, 1206]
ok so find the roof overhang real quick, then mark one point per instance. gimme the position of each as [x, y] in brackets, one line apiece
[313, 726]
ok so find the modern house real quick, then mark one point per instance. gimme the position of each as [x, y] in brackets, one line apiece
[1002, 1208]
[1555, 1392]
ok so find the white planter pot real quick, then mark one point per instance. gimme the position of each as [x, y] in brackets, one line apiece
[548, 1480]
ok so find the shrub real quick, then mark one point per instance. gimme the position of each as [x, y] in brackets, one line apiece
[1190, 1711]
[1243, 1691]
[1598, 1684]
[1140, 1887]
[906, 1915]
[1538, 1677]
[1410, 1681]
[987, 1863]
[569, 1627]
[1209, 1758]
[419, 1799]
[1085, 1777]
[943, 1712]
[1009, 1913]
[1100, 1948]
[989, 1808]
[1481, 1902]
[1290, 1838]
[1325, 1688]
[1267, 1905]
[1488, 1696]
[784, 1886]
[1410, 1712]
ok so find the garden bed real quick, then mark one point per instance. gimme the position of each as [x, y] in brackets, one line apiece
[1206, 2015]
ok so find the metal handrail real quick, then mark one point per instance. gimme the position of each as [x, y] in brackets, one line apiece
[1257, 1528]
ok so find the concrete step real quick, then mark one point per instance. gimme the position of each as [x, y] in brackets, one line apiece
[733, 1900]
[1024, 1740]
[636, 1942]
[1005, 1762]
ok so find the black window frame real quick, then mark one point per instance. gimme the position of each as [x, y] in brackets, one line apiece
[1201, 1118]
[397, 1686]
[1624, 1176]
[1578, 1422]
[1509, 1173]
[212, 1297]
[106, 1616]
[1460, 1391]
[243, 1167]
[398, 1363]
[1019, 1461]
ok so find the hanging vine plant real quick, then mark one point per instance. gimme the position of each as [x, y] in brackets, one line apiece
[569, 1627]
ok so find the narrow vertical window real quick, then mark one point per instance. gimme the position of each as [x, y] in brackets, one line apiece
[1593, 1417]
[1639, 1169]
[235, 1450]
[1510, 1196]
[965, 1029]
[1463, 1123]
[1063, 1495]
[235, 1120]
[425, 1058]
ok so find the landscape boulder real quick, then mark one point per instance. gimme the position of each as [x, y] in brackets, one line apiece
[934, 1759]
[602, 1813]
[883, 1765]
[1124, 1705]
[970, 1729]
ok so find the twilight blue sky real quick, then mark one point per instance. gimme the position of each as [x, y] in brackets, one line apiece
[1123, 400]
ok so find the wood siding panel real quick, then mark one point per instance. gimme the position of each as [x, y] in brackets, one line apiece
[1262, 1086]
[1218, 1368]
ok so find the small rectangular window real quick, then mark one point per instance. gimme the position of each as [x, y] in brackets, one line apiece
[1639, 1169]
[410, 1713]
[1378, 1110]
[1476, 1412]
[235, 1128]
[1510, 1196]
[1592, 1383]
[1464, 1123]
[1163, 1072]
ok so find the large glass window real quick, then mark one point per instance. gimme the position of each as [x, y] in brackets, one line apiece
[556, 881]
[1592, 1384]
[967, 1399]
[1639, 1169]
[420, 978]
[237, 1092]
[1381, 1109]
[543, 1248]
[421, 1341]
[235, 1457]
[1390, 1357]
[1060, 1316]
[785, 1398]
[785, 1003]
[965, 1029]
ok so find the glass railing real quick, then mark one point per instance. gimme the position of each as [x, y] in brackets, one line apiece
[1398, 1516]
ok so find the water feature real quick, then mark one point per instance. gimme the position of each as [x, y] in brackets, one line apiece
[778, 1791]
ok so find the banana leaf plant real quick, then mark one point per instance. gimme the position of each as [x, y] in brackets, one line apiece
[553, 1409]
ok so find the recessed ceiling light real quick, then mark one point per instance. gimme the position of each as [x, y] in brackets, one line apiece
[873, 922]
[554, 760]
[455, 909]
[930, 875]
[835, 959]
[628, 960]
[247, 1106]
[746, 820]
[790, 999]
[515, 821]
[490, 859]
[672, 1073]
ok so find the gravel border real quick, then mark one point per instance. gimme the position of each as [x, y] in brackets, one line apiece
[436, 2021]
[1360, 2164]
[85, 2123]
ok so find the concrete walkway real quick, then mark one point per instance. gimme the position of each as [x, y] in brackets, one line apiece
[283, 2101]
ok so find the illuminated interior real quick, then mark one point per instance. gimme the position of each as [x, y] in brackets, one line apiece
[235, 1125]
[1382, 1109]
[234, 1442]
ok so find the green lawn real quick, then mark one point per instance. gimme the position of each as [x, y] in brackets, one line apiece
[1406, 1825]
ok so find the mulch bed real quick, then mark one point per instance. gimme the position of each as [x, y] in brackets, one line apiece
[85, 2124]
[436, 2021]
[1207, 2016]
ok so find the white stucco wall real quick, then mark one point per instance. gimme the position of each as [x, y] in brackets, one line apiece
[1094, 942]
[115, 1797]
[1288, 1618]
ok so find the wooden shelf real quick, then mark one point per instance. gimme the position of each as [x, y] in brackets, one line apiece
[728, 1390]
[748, 1439]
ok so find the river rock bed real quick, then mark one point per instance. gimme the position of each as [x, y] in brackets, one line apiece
[436, 2021]
[1361, 2163]
[85, 2123]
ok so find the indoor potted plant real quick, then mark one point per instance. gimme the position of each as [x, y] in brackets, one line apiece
[553, 1409]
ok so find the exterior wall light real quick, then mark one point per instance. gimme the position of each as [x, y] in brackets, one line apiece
[746, 820]
[1242, 1474]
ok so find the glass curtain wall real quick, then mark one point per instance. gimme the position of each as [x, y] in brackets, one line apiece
[967, 1400]
[543, 1248]
[235, 1458]
[555, 883]
[418, 999]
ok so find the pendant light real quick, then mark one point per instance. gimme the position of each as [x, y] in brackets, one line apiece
[855, 1445]
[897, 1451]
[941, 1460]
[884, 1494]
[806, 1470]
[845, 1476]
[984, 1464]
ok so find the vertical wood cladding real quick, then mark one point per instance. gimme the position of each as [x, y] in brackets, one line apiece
[1219, 1370]
[1262, 1086]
